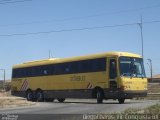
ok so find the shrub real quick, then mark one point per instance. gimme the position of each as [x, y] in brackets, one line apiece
[7, 86]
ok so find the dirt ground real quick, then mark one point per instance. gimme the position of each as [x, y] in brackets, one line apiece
[7, 101]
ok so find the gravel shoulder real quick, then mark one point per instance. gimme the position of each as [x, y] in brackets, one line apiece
[8, 101]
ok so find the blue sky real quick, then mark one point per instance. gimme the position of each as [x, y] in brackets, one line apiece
[49, 15]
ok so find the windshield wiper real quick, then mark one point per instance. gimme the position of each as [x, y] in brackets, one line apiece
[126, 74]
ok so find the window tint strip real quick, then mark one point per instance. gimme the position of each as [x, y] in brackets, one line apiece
[84, 66]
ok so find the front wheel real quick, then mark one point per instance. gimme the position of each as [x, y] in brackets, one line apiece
[121, 100]
[61, 100]
[99, 96]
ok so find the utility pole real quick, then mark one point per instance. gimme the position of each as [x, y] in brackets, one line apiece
[49, 54]
[150, 66]
[4, 77]
[141, 27]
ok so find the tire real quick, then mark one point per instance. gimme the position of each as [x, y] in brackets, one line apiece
[121, 100]
[39, 96]
[61, 100]
[29, 95]
[99, 95]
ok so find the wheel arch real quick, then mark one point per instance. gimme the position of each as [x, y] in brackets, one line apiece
[38, 89]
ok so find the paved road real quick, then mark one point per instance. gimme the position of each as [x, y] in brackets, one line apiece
[79, 107]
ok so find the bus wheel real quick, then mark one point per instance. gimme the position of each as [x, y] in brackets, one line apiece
[99, 96]
[61, 100]
[121, 100]
[29, 95]
[39, 96]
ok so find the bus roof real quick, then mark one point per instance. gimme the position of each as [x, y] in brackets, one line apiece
[61, 60]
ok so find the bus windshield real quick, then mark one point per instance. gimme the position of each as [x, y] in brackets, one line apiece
[131, 67]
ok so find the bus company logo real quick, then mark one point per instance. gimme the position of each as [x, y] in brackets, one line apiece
[24, 85]
[89, 86]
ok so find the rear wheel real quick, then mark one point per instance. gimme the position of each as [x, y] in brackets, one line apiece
[121, 100]
[29, 95]
[61, 100]
[39, 96]
[99, 96]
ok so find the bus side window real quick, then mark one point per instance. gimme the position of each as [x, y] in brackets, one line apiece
[113, 70]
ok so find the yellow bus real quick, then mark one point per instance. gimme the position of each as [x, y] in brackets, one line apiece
[112, 75]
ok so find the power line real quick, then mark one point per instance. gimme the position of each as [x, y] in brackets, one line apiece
[82, 17]
[9, 2]
[5, 0]
[148, 22]
[66, 30]
[76, 29]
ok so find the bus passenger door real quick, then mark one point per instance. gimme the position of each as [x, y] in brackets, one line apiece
[112, 73]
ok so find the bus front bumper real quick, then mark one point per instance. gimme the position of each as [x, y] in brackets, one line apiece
[133, 94]
[127, 94]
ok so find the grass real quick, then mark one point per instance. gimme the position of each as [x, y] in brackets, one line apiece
[152, 112]
[154, 109]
